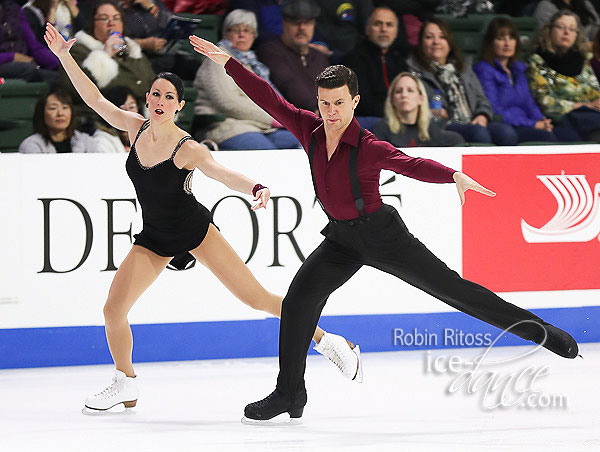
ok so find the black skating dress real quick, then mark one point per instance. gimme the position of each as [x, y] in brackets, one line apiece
[174, 222]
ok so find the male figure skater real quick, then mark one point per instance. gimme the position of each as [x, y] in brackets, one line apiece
[345, 163]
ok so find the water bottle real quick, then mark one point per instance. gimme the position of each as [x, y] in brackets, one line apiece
[67, 32]
[435, 105]
[120, 48]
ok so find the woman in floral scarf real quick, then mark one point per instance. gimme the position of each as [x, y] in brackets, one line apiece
[560, 78]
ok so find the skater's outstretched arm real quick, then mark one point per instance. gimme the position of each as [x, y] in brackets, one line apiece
[255, 87]
[198, 156]
[89, 92]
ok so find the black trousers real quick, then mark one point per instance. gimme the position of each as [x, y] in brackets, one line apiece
[382, 242]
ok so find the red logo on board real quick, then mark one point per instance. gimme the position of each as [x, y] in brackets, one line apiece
[542, 230]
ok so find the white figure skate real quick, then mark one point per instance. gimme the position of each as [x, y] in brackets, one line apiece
[123, 389]
[338, 351]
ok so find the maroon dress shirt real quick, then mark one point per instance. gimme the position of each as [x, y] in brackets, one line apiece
[332, 177]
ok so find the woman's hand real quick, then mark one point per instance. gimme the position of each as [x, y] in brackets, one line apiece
[262, 196]
[112, 44]
[464, 183]
[22, 58]
[480, 120]
[209, 50]
[544, 124]
[56, 43]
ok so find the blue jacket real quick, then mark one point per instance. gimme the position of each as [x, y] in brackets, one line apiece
[511, 100]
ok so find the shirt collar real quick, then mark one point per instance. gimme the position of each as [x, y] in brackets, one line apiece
[350, 135]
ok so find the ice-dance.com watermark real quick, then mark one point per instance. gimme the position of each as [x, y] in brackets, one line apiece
[496, 382]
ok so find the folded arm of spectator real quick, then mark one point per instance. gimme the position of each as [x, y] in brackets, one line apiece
[225, 96]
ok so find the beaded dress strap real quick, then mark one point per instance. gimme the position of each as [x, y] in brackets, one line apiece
[183, 140]
[144, 127]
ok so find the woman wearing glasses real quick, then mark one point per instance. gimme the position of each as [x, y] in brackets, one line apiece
[560, 78]
[108, 57]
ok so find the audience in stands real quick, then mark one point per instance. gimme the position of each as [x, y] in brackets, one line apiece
[411, 14]
[504, 83]
[595, 61]
[54, 126]
[340, 26]
[107, 56]
[216, 7]
[146, 21]
[462, 8]
[407, 120]
[106, 138]
[377, 59]
[268, 16]
[440, 64]
[560, 78]
[247, 126]
[583, 8]
[21, 54]
[294, 65]
[64, 14]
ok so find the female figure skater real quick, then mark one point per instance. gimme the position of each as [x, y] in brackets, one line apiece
[160, 165]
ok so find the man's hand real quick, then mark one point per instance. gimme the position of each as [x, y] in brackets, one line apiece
[464, 183]
[209, 50]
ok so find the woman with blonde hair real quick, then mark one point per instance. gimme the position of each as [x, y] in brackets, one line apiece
[407, 120]
[560, 78]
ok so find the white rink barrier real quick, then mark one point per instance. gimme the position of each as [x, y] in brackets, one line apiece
[68, 221]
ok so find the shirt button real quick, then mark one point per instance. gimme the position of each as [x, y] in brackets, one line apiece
[139, 82]
[326, 188]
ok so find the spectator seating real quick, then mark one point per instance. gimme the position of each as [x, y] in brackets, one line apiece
[468, 31]
[18, 99]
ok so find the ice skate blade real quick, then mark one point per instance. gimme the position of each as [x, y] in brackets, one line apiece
[117, 410]
[278, 421]
[358, 378]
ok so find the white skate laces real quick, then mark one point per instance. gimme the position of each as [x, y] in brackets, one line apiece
[123, 389]
[346, 359]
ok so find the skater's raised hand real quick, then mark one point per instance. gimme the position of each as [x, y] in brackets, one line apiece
[209, 50]
[56, 43]
[262, 196]
[464, 183]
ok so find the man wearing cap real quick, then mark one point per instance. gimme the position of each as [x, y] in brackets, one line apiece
[292, 62]
[345, 163]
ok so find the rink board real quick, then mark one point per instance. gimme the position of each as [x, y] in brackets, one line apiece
[68, 221]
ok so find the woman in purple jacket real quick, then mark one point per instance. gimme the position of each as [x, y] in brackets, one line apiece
[21, 54]
[503, 80]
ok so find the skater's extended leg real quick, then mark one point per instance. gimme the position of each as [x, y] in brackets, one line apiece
[404, 256]
[137, 272]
